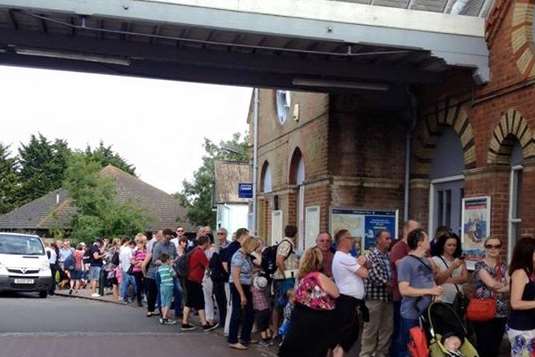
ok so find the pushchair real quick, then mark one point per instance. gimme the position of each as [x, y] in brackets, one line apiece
[439, 320]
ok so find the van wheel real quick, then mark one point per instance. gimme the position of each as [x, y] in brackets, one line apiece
[43, 294]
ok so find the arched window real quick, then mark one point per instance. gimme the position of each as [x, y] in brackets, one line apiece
[297, 177]
[265, 178]
[297, 168]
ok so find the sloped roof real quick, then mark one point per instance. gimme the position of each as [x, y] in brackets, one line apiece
[228, 174]
[55, 209]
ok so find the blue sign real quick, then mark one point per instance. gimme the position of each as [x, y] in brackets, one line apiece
[245, 190]
[376, 222]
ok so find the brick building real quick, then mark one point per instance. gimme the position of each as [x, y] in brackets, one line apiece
[460, 139]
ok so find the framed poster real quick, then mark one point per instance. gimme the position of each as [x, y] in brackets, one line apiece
[312, 225]
[364, 223]
[277, 233]
[475, 228]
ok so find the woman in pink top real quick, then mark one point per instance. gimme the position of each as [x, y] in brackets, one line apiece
[137, 260]
[312, 320]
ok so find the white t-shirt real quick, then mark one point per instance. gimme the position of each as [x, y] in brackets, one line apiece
[344, 268]
[175, 242]
[125, 256]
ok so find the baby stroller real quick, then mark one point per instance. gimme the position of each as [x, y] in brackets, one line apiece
[440, 320]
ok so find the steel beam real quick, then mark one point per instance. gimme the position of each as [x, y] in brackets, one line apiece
[291, 65]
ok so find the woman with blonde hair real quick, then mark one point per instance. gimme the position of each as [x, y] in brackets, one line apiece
[241, 279]
[312, 320]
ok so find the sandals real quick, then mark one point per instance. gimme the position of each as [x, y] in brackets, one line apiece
[238, 346]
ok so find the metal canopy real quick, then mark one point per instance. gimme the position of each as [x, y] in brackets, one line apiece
[177, 42]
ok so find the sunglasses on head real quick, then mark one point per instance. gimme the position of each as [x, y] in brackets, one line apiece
[493, 246]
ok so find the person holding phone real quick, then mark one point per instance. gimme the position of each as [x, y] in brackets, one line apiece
[451, 272]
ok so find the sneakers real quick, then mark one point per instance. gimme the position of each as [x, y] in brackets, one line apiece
[95, 295]
[210, 327]
[187, 327]
[237, 346]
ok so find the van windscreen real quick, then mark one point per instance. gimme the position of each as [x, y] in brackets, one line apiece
[21, 245]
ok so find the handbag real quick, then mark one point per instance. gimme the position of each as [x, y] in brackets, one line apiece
[483, 309]
[460, 302]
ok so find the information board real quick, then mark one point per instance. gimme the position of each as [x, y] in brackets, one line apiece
[364, 223]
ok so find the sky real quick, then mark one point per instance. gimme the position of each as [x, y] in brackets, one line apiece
[157, 125]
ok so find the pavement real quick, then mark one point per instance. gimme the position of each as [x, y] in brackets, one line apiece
[61, 326]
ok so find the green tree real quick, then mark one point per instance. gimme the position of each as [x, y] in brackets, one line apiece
[197, 196]
[42, 166]
[105, 156]
[9, 181]
[99, 213]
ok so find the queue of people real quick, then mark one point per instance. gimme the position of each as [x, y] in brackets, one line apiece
[319, 304]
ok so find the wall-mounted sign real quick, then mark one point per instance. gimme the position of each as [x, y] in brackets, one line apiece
[364, 223]
[312, 225]
[277, 233]
[245, 190]
[475, 228]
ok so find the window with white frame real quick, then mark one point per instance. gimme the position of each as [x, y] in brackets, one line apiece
[515, 197]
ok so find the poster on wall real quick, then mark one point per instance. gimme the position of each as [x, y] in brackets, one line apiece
[276, 227]
[364, 223]
[475, 228]
[312, 225]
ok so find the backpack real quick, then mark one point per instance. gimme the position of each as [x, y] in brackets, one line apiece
[115, 259]
[69, 262]
[269, 258]
[217, 272]
[182, 265]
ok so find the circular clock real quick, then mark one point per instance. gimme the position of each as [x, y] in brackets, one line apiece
[283, 102]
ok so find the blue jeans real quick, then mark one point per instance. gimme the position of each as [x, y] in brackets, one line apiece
[406, 325]
[125, 282]
[394, 346]
[243, 316]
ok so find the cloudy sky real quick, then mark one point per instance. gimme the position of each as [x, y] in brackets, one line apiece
[156, 125]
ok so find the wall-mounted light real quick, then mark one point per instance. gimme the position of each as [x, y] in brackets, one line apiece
[340, 84]
[72, 56]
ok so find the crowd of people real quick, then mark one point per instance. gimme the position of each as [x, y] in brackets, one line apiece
[317, 303]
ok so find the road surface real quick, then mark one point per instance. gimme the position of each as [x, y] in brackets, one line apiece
[71, 327]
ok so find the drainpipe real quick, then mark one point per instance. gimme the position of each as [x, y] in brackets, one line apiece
[255, 155]
[408, 139]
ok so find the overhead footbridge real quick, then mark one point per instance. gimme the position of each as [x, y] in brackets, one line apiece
[369, 45]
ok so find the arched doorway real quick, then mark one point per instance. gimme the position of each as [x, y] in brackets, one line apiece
[447, 182]
[297, 178]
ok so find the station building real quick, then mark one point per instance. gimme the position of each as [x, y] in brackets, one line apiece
[458, 139]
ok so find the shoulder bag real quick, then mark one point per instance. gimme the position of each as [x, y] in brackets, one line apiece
[483, 309]
[460, 302]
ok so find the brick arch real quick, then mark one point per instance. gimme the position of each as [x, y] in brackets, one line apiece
[511, 126]
[297, 155]
[429, 131]
[522, 37]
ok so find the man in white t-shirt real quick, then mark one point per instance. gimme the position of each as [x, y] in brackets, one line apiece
[348, 273]
[125, 261]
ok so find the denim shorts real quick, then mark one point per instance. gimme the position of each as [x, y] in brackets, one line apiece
[76, 274]
[94, 273]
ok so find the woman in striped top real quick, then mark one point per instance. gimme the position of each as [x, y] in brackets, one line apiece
[167, 276]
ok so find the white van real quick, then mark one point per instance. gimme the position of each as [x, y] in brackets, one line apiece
[24, 264]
